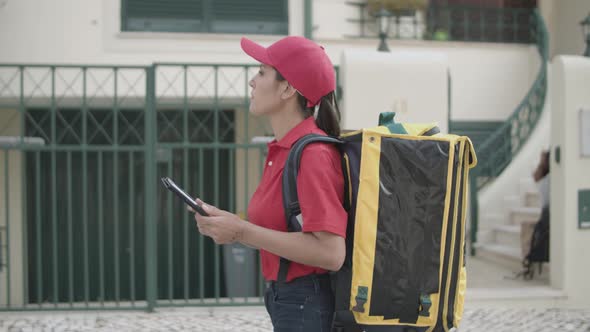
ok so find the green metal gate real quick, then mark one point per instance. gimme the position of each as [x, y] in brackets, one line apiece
[84, 222]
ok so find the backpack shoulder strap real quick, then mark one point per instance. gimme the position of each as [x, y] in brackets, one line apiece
[290, 197]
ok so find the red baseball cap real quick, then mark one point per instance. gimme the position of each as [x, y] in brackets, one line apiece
[303, 63]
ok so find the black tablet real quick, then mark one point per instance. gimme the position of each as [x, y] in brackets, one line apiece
[170, 185]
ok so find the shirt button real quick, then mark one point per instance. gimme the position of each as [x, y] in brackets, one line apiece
[270, 163]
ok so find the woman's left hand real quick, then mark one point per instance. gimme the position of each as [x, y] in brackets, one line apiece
[222, 226]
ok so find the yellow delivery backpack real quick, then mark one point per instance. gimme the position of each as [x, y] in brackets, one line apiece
[406, 191]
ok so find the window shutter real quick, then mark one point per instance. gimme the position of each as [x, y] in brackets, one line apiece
[214, 16]
[163, 15]
[250, 16]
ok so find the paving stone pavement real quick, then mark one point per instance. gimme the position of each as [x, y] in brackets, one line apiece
[254, 319]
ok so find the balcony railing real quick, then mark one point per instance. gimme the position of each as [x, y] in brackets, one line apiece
[448, 22]
[501, 147]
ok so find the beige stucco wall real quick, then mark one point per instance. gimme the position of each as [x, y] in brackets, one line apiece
[563, 22]
[249, 162]
[11, 213]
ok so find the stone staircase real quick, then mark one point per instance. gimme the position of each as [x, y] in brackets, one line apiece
[500, 242]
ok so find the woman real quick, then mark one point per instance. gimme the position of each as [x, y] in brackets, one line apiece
[296, 79]
[538, 251]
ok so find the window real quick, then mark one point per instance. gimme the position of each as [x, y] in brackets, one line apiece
[206, 16]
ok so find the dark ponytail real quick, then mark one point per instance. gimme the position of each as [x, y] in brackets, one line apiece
[328, 117]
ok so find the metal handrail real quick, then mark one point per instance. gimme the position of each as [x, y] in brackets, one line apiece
[496, 152]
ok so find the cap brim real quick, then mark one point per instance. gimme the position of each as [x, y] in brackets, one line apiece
[256, 51]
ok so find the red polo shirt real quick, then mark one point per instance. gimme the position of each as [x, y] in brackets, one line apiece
[320, 187]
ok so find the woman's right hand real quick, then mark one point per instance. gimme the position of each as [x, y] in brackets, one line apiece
[222, 226]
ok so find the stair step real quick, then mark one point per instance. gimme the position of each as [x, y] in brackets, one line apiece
[492, 218]
[527, 184]
[512, 201]
[507, 256]
[532, 199]
[524, 214]
[508, 235]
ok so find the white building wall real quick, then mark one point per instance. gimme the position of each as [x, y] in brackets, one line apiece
[414, 85]
[488, 80]
[569, 244]
[493, 208]
[563, 22]
[11, 209]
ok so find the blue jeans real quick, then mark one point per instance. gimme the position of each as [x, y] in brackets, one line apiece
[305, 304]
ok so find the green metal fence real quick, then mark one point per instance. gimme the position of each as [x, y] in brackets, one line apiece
[84, 222]
[498, 150]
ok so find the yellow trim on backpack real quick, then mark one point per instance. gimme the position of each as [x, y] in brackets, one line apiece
[418, 129]
[365, 229]
[460, 299]
[350, 133]
[453, 224]
[366, 224]
[472, 156]
[443, 240]
[383, 131]
[462, 282]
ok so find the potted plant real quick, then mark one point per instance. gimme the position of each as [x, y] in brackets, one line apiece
[407, 16]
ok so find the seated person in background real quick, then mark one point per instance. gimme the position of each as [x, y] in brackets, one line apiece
[542, 179]
[539, 242]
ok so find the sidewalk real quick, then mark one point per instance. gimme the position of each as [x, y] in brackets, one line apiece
[478, 316]
[254, 319]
